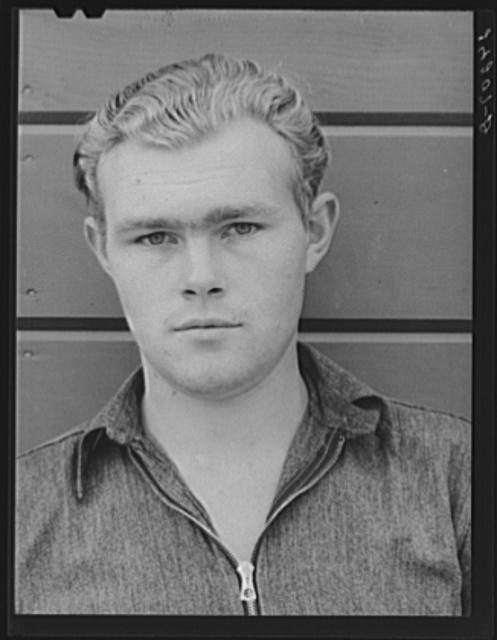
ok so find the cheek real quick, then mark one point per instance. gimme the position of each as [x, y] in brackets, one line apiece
[293, 278]
[291, 265]
[283, 253]
[281, 279]
[138, 290]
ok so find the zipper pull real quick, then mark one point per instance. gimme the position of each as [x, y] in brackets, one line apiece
[247, 591]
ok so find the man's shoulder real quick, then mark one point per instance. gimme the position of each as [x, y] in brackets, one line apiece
[50, 464]
[433, 426]
[423, 441]
[412, 411]
[57, 448]
[56, 475]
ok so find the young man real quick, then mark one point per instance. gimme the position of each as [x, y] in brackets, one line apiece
[237, 471]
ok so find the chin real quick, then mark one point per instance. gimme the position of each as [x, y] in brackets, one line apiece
[212, 391]
[216, 386]
[223, 381]
[213, 373]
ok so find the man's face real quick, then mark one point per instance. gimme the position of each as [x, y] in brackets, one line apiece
[208, 252]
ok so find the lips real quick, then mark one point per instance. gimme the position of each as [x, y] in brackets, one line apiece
[207, 323]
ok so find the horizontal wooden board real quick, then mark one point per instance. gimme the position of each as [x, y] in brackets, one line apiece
[63, 382]
[343, 60]
[402, 249]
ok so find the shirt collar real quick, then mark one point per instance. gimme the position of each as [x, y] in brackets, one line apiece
[119, 420]
[334, 391]
[339, 393]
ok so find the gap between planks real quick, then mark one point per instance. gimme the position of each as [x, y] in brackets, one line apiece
[386, 338]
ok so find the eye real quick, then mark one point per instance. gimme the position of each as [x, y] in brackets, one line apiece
[242, 228]
[156, 238]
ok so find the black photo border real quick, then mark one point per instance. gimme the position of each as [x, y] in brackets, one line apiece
[481, 622]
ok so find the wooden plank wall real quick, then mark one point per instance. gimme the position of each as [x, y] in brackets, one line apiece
[391, 302]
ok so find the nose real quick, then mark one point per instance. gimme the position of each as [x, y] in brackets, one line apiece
[203, 275]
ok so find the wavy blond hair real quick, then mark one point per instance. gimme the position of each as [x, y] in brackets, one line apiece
[181, 102]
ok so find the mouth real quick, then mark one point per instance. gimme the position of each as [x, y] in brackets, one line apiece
[209, 323]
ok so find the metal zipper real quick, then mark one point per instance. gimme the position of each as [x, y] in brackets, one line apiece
[248, 593]
[312, 470]
[245, 568]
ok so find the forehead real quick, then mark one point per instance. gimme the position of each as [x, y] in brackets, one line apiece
[244, 159]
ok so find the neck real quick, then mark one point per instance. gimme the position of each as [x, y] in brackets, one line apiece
[268, 414]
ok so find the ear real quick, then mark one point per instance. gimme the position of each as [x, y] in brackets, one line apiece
[95, 238]
[321, 225]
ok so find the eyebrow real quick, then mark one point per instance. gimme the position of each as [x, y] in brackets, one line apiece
[213, 217]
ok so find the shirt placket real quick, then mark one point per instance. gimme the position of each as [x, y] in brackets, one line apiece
[162, 475]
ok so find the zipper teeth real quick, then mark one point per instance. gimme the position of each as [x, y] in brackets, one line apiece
[177, 507]
[251, 608]
[308, 472]
[304, 473]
